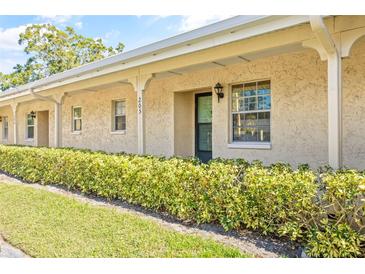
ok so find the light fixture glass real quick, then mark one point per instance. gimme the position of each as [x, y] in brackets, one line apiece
[218, 88]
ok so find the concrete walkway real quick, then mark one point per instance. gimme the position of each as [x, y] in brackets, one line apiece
[245, 240]
[8, 251]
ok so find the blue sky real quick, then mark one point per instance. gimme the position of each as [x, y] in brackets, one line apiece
[133, 31]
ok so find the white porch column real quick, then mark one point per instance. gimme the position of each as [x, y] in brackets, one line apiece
[334, 111]
[57, 126]
[329, 51]
[57, 99]
[140, 120]
[14, 107]
[140, 84]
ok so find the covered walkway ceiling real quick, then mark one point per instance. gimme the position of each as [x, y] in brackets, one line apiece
[183, 48]
[244, 58]
[219, 63]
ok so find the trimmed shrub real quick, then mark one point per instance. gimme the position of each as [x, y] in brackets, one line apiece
[325, 212]
[334, 241]
[280, 200]
[344, 197]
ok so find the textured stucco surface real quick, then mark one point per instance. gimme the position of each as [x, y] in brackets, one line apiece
[96, 131]
[27, 107]
[299, 105]
[42, 128]
[353, 88]
[7, 111]
[298, 115]
[184, 124]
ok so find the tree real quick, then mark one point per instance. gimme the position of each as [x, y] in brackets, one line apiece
[53, 50]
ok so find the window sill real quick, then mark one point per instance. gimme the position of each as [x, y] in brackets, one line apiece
[118, 132]
[29, 140]
[250, 145]
[76, 132]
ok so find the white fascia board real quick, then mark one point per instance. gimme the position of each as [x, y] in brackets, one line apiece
[213, 41]
[16, 94]
[141, 51]
[229, 30]
[218, 40]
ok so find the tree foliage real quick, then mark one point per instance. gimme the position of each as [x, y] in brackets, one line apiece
[52, 50]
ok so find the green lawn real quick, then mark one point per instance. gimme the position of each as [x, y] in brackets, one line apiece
[45, 224]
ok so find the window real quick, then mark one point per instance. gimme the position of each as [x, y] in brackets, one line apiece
[119, 117]
[251, 105]
[5, 128]
[76, 119]
[30, 126]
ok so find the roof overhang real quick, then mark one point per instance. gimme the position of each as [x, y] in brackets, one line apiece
[220, 33]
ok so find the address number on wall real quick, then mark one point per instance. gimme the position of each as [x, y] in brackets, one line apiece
[139, 104]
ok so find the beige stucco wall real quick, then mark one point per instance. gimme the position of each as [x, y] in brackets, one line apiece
[298, 115]
[184, 123]
[7, 111]
[159, 125]
[42, 128]
[354, 107]
[27, 107]
[299, 104]
[96, 131]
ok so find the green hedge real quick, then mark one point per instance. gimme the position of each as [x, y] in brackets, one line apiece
[324, 212]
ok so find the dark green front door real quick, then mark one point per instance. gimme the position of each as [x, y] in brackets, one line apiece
[203, 126]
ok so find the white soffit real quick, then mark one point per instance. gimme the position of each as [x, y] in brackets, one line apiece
[223, 32]
[275, 51]
[221, 63]
[196, 67]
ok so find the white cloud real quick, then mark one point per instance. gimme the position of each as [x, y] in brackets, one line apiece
[111, 36]
[6, 66]
[10, 58]
[154, 18]
[9, 38]
[78, 25]
[57, 19]
[190, 22]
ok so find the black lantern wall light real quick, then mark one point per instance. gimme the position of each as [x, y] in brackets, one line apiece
[33, 114]
[218, 88]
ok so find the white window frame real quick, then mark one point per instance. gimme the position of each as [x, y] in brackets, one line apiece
[27, 126]
[73, 129]
[5, 118]
[113, 124]
[241, 144]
